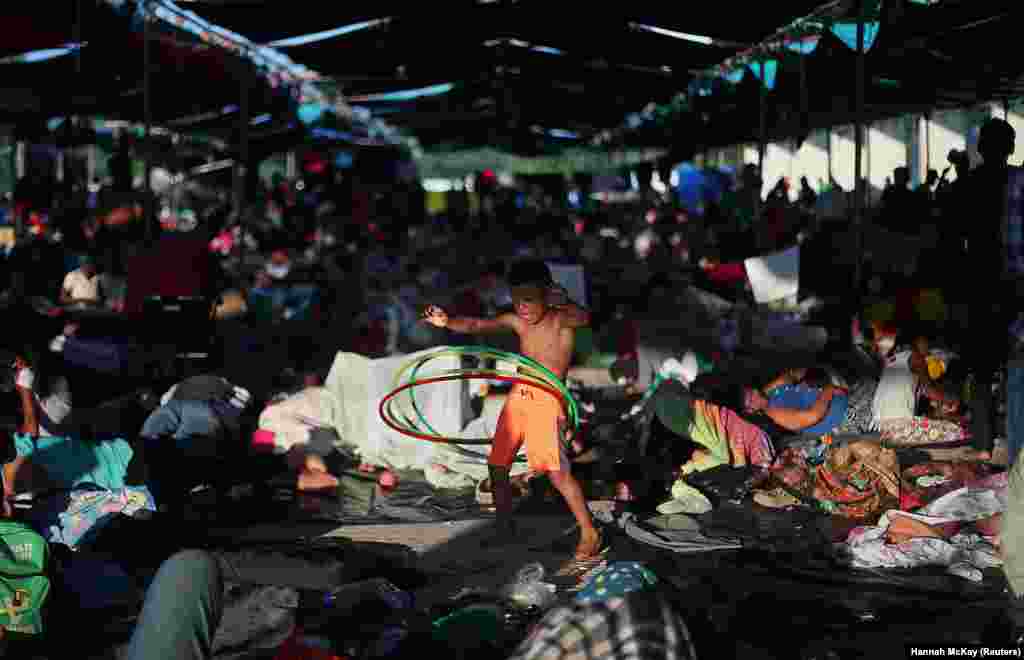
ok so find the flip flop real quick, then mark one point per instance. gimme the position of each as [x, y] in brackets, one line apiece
[578, 566]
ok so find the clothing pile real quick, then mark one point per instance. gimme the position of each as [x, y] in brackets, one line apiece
[947, 532]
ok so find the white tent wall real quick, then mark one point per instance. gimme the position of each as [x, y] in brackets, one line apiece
[1016, 118]
[778, 163]
[945, 131]
[886, 150]
[843, 151]
[811, 161]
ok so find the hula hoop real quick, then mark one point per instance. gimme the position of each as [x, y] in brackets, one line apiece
[525, 369]
[529, 372]
[467, 374]
[527, 366]
[385, 413]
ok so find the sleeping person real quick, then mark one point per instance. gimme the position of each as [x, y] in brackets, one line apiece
[798, 405]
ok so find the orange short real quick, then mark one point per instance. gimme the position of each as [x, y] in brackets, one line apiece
[533, 416]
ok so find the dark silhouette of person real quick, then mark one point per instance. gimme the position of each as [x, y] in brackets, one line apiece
[808, 196]
[901, 208]
[121, 166]
[987, 289]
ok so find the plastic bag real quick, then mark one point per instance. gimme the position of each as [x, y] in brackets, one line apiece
[529, 589]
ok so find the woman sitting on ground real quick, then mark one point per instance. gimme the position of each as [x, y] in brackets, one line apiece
[81, 470]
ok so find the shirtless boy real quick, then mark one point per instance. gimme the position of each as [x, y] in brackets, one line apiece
[545, 321]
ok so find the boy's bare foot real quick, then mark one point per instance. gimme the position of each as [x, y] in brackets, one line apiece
[315, 480]
[591, 544]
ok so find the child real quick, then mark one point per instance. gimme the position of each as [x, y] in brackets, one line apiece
[545, 321]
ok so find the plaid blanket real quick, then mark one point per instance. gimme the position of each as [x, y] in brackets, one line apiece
[639, 626]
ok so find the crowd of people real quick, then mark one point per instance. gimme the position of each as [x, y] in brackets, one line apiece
[819, 434]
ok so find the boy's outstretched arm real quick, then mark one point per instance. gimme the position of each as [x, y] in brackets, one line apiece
[436, 316]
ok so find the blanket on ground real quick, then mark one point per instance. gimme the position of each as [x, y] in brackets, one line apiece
[857, 480]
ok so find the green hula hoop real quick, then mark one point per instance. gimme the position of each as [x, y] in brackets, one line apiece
[529, 369]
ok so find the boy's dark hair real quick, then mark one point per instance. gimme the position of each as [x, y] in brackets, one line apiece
[530, 272]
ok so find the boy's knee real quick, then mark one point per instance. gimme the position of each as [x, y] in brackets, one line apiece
[558, 477]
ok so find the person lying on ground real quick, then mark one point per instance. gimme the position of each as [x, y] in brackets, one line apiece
[798, 406]
[197, 422]
[300, 428]
[545, 321]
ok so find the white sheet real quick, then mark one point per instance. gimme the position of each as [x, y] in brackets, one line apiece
[774, 276]
[360, 383]
[462, 466]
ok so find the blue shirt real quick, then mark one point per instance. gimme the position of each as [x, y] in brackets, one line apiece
[70, 463]
[802, 397]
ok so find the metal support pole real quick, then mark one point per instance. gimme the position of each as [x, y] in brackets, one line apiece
[18, 171]
[241, 166]
[805, 103]
[762, 132]
[147, 111]
[69, 158]
[927, 142]
[858, 199]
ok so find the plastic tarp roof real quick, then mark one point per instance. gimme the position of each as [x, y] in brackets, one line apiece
[519, 69]
[923, 57]
[105, 76]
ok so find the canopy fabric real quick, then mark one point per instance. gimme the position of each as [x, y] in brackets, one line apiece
[520, 71]
[815, 79]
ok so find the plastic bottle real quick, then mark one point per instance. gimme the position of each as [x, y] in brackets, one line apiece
[529, 589]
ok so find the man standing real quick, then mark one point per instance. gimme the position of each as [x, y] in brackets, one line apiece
[995, 261]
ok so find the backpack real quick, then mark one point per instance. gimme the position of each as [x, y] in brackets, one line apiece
[24, 580]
